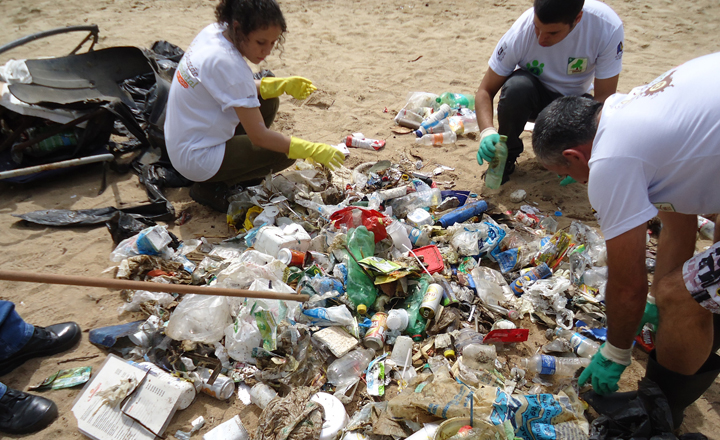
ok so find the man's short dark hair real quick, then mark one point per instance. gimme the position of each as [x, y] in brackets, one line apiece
[558, 11]
[566, 123]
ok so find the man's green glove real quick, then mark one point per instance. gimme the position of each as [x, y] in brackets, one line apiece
[605, 369]
[650, 315]
[488, 138]
[329, 156]
[295, 86]
[567, 181]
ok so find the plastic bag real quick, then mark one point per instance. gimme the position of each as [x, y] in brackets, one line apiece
[371, 219]
[199, 318]
[143, 296]
[548, 297]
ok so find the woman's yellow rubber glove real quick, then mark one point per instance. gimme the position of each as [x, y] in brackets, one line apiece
[295, 86]
[325, 154]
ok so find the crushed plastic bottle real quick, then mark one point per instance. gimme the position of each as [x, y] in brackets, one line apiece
[551, 365]
[581, 345]
[349, 368]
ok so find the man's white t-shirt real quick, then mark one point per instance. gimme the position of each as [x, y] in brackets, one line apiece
[211, 80]
[658, 148]
[593, 49]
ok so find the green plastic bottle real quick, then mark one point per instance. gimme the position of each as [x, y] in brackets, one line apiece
[457, 100]
[416, 323]
[360, 287]
[493, 177]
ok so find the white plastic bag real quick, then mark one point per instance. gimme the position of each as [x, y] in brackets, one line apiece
[240, 339]
[143, 296]
[199, 318]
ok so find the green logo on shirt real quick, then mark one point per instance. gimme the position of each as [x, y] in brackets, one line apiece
[536, 67]
[577, 65]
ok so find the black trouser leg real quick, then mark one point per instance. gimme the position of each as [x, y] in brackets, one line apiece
[522, 97]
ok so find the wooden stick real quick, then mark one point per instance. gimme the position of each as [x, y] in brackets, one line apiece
[111, 283]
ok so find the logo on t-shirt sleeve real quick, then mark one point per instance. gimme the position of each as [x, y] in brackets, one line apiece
[576, 65]
[619, 51]
[501, 52]
[184, 76]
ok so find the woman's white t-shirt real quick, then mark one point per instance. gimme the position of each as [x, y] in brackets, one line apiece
[593, 49]
[211, 80]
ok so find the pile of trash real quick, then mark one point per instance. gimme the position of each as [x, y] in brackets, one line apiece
[413, 311]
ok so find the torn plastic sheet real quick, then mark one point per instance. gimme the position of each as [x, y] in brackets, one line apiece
[157, 176]
[67, 217]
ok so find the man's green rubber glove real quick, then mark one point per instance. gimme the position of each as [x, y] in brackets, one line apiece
[488, 138]
[329, 156]
[567, 181]
[295, 86]
[650, 315]
[605, 369]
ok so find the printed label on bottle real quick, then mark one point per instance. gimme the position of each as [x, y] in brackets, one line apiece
[576, 340]
[437, 139]
[548, 364]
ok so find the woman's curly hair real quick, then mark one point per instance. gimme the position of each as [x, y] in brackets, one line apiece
[245, 16]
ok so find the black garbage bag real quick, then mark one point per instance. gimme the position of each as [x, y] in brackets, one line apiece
[98, 216]
[157, 176]
[646, 417]
[122, 226]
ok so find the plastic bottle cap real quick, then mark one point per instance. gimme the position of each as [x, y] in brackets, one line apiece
[449, 353]
[362, 309]
[417, 338]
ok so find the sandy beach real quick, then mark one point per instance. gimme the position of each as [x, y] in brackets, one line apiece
[364, 57]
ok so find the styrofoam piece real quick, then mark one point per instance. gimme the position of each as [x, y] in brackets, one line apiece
[336, 418]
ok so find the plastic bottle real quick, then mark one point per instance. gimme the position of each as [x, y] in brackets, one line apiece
[399, 236]
[463, 213]
[360, 287]
[416, 323]
[457, 100]
[465, 337]
[440, 114]
[419, 237]
[581, 345]
[350, 367]
[437, 127]
[706, 228]
[559, 366]
[364, 143]
[493, 177]
[444, 138]
[536, 273]
[463, 124]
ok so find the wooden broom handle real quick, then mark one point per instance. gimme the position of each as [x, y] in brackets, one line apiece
[111, 283]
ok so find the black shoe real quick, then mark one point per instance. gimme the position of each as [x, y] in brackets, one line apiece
[211, 194]
[509, 169]
[45, 341]
[23, 413]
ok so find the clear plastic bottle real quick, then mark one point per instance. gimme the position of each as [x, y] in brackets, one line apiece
[463, 124]
[493, 177]
[349, 368]
[457, 100]
[581, 345]
[466, 337]
[558, 366]
[440, 114]
[437, 127]
[436, 139]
